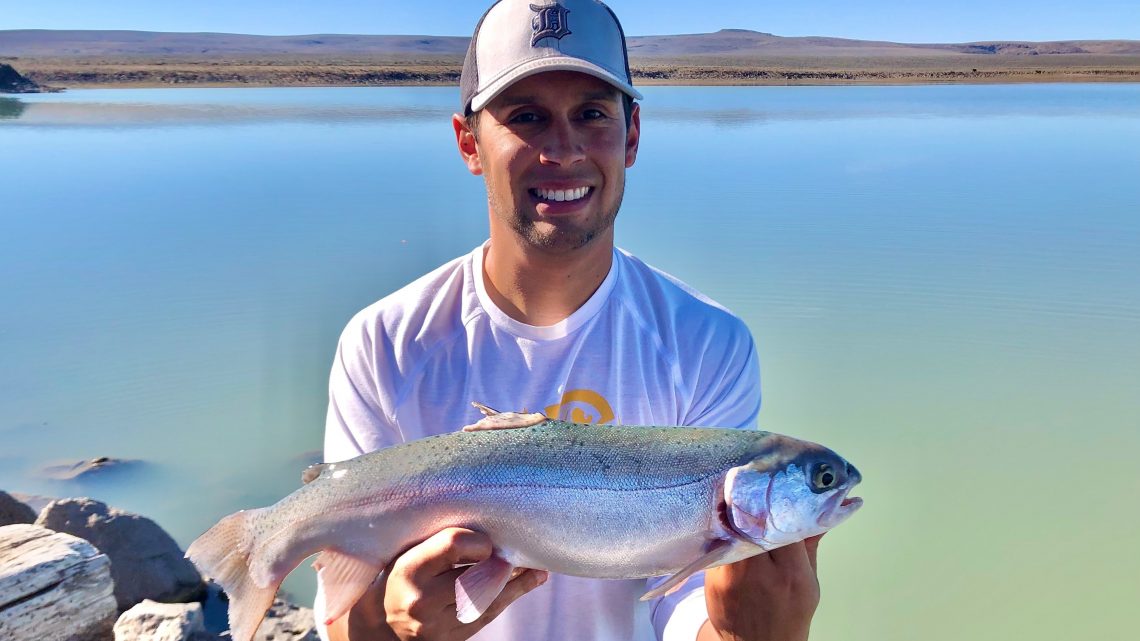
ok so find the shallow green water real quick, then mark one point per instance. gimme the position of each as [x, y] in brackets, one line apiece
[944, 283]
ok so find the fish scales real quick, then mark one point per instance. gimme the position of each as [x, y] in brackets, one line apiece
[564, 455]
[584, 487]
[585, 500]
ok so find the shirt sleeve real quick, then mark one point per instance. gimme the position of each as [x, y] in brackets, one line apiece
[726, 388]
[727, 394]
[357, 420]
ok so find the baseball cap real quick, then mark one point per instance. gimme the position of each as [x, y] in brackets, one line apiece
[519, 38]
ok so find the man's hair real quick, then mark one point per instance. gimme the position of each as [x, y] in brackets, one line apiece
[472, 118]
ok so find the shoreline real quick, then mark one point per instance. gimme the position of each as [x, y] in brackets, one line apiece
[679, 82]
[86, 73]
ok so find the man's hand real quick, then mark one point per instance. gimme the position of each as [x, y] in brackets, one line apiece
[416, 597]
[770, 597]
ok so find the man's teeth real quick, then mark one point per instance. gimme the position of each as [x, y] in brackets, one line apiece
[561, 194]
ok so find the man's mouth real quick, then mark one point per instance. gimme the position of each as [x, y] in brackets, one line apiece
[561, 195]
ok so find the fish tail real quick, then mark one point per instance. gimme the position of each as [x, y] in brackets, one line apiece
[225, 553]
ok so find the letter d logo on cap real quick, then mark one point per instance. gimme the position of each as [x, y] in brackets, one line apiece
[550, 22]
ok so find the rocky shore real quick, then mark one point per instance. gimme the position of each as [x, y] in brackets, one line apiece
[81, 570]
[12, 82]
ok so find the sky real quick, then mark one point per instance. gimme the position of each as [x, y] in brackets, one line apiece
[894, 20]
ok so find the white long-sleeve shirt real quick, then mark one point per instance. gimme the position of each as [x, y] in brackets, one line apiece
[645, 349]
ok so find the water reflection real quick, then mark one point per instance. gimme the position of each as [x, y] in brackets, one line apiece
[98, 114]
[11, 108]
[721, 107]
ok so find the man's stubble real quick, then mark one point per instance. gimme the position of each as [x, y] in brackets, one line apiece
[555, 238]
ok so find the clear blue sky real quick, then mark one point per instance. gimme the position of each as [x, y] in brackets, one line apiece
[896, 20]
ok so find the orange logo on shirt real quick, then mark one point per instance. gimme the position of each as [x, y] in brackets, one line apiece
[581, 406]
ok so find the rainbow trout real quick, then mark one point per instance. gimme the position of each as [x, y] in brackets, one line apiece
[587, 500]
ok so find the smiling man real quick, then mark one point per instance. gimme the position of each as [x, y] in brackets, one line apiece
[549, 315]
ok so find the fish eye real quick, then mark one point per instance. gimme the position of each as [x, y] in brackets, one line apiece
[824, 477]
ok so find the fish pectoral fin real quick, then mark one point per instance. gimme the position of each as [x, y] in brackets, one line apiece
[345, 579]
[717, 551]
[478, 586]
[495, 420]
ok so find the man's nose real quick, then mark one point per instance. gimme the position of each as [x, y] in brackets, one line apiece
[563, 144]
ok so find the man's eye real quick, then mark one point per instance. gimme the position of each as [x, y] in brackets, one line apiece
[593, 114]
[525, 118]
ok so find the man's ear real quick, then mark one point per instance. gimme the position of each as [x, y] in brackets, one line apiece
[468, 148]
[633, 135]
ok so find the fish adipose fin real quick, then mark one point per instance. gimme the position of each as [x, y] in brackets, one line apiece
[709, 559]
[344, 579]
[478, 586]
[495, 420]
[223, 554]
[310, 474]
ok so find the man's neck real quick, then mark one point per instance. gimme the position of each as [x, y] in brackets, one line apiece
[539, 288]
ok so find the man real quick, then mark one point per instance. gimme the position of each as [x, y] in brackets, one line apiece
[547, 315]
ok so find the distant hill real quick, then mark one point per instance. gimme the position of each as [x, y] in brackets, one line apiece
[737, 43]
[39, 42]
[752, 44]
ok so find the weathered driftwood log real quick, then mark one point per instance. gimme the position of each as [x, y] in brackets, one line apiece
[53, 586]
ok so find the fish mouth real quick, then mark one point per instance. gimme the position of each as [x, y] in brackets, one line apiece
[839, 508]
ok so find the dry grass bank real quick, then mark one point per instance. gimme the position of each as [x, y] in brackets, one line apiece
[293, 71]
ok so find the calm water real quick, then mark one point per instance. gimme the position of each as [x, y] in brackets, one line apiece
[944, 283]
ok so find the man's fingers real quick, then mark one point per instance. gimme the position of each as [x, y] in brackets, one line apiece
[515, 588]
[442, 552]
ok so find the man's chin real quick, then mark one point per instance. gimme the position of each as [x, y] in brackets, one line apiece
[558, 238]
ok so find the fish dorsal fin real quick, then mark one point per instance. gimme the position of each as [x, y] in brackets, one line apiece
[496, 420]
[717, 551]
[310, 474]
[344, 579]
[478, 586]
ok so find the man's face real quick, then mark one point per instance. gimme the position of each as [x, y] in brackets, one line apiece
[553, 149]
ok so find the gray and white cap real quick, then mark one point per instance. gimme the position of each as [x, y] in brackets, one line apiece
[519, 38]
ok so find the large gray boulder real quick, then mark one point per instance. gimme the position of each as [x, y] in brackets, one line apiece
[53, 586]
[145, 562]
[14, 511]
[151, 621]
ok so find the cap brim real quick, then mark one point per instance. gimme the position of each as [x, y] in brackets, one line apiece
[542, 65]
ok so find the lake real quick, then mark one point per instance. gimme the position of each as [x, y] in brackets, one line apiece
[943, 281]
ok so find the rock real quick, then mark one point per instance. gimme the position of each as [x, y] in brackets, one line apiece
[35, 501]
[151, 621]
[283, 622]
[145, 562]
[215, 609]
[14, 511]
[88, 469]
[53, 586]
[287, 622]
[12, 82]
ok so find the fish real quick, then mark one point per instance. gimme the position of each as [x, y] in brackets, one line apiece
[600, 501]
